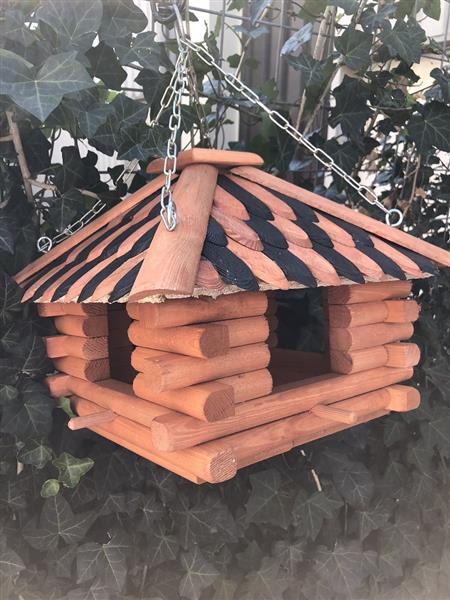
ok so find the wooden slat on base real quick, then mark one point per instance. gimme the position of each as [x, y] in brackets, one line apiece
[173, 313]
[164, 371]
[209, 401]
[173, 432]
[213, 464]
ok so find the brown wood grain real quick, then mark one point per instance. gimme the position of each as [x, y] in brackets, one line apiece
[370, 292]
[219, 158]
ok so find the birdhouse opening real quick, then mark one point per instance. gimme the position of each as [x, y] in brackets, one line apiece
[299, 335]
[120, 347]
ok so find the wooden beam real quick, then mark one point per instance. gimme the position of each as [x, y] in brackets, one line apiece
[71, 308]
[201, 341]
[171, 263]
[210, 401]
[166, 371]
[219, 158]
[58, 385]
[90, 370]
[366, 313]
[403, 398]
[173, 313]
[373, 226]
[390, 355]
[213, 464]
[170, 432]
[333, 413]
[82, 326]
[80, 347]
[369, 292]
[248, 386]
[368, 336]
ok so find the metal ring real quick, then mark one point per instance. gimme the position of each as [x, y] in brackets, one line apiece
[398, 213]
[44, 244]
[164, 12]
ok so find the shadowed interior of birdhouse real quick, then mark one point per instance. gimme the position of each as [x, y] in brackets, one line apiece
[120, 347]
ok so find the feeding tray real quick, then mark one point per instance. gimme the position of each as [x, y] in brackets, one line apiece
[167, 340]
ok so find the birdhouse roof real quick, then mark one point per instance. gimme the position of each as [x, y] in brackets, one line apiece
[238, 228]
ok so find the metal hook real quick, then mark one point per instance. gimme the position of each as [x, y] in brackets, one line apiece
[398, 213]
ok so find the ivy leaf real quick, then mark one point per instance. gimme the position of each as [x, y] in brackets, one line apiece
[442, 78]
[63, 209]
[160, 545]
[90, 120]
[404, 39]
[142, 49]
[10, 297]
[7, 233]
[105, 561]
[106, 66]
[403, 537]
[436, 432]
[300, 37]
[75, 24]
[40, 93]
[420, 455]
[206, 519]
[35, 452]
[71, 469]
[290, 555]
[50, 488]
[57, 521]
[268, 582]
[432, 8]
[95, 591]
[10, 563]
[343, 568]
[351, 111]
[268, 501]
[395, 430]
[390, 564]
[200, 574]
[120, 18]
[13, 27]
[355, 46]
[152, 512]
[311, 511]
[373, 518]
[30, 356]
[430, 127]
[355, 483]
[30, 416]
[224, 589]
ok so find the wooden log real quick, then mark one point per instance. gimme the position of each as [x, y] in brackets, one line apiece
[369, 292]
[117, 396]
[402, 355]
[71, 308]
[403, 398]
[368, 336]
[174, 432]
[173, 313]
[90, 370]
[209, 156]
[201, 341]
[58, 385]
[80, 347]
[90, 229]
[181, 248]
[335, 414]
[280, 436]
[248, 386]
[370, 225]
[82, 326]
[366, 313]
[171, 371]
[214, 464]
[389, 355]
[94, 419]
[209, 401]
[248, 330]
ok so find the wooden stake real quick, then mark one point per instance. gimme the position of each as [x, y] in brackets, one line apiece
[335, 414]
[94, 419]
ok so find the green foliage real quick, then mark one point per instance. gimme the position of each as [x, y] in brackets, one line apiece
[362, 514]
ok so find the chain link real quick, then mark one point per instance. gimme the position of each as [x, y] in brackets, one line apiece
[394, 217]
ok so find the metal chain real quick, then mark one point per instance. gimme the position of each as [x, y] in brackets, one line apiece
[394, 216]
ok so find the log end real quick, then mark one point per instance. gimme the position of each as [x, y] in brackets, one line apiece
[214, 341]
[58, 385]
[223, 466]
[162, 438]
[403, 398]
[219, 404]
[402, 354]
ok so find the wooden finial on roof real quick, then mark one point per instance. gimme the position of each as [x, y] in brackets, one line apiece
[218, 158]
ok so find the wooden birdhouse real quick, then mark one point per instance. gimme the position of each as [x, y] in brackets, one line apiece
[167, 340]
